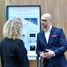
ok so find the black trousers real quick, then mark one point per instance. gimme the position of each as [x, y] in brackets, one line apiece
[49, 63]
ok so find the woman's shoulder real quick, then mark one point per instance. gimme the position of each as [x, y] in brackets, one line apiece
[20, 41]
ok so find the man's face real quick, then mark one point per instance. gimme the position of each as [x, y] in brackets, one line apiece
[45, 21]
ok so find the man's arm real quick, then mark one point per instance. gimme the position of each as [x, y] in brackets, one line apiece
[62, 42]
[38, 47]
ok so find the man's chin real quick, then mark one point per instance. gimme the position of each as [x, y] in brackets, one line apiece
[44, 26]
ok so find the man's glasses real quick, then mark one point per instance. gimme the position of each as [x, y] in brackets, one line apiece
[44, 20]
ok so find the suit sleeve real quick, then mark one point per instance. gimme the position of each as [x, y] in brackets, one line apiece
[62, 42]
[38, 47]
[22, 54]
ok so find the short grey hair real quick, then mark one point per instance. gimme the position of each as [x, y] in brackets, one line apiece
[48, 15]
[13, 29]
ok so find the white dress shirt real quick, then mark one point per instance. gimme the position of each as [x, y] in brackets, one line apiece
[47, 34]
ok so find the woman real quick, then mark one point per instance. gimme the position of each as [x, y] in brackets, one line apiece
[13, 52]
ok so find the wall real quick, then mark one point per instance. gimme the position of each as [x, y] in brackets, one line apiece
[2, 16]
[57, 8]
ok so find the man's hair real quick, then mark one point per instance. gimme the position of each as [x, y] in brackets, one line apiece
[13, 29]
[48, 15]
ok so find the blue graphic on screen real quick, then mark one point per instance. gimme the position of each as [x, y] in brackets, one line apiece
[32, 20]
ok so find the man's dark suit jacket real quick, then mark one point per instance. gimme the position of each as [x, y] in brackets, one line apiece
[13, 53]
[57, 43]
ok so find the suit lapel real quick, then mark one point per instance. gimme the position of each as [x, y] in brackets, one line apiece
[51, 33]
[44, 38]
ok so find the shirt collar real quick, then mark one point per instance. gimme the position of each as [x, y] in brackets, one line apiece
[50, 28]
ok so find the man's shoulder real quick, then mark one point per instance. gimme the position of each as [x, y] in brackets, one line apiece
[41, 32]
[56, 28]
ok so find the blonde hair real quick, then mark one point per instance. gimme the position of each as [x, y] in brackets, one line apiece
[13, 29]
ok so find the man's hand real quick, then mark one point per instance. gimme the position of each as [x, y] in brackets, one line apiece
[41, 54]
[47, 54]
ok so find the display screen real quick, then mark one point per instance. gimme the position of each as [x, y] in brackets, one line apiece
[30, 15]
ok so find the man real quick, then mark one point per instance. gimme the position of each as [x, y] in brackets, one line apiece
[51, 44]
